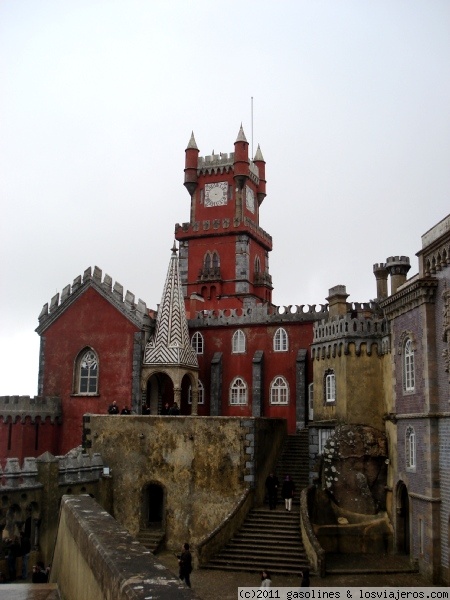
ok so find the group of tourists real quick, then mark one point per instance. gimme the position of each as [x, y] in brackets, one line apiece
[287, 491]
[113, 409]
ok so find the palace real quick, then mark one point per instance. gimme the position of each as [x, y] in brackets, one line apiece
[218, 347]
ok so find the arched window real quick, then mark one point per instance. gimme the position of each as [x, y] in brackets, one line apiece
[197, 342]
[238, 343]
[201, 394]
[86, 376]
[207, 261]
[279, 391]
[280, 340]
[410, 448]
[408, 366]
[215, 260]
[257, 265]
[330, 387]
[238, 391]
[311, 401]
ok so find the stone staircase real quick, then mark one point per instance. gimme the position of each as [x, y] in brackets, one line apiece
[151, 538]
[270, 539]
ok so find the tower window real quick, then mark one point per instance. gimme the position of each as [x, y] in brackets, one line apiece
[330, 387]
[279, 391]
[87, 373]
[410, 449]
[197, 342]
[280, 340]
[238, 391]
[311, 401]
[238, 342]
[408, 366]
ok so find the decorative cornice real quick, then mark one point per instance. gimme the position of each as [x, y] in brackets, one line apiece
[410, 296]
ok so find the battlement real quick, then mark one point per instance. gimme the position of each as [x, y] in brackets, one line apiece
[259, 313]
[21, 407]
[75, 467]
[218, 226]
[330, 335]
[220, 163]
[114, 292]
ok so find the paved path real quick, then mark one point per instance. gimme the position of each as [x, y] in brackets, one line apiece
[223, 585]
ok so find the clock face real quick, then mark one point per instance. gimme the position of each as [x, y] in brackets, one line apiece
[216, 194]
[249, 199]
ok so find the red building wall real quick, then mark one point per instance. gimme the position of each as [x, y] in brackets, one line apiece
[92, 322]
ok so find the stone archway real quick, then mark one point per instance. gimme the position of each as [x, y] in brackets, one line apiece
[402, 525]
[159, 389]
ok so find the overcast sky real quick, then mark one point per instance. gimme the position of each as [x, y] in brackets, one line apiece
[98, 100]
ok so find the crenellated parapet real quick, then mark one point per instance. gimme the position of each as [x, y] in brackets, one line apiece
[222, 226]
[22, 407]
[259, 313]
[112, 291]
[223, 163]
[73, 468]
[332, 337]
[15, 476]
[77, 467]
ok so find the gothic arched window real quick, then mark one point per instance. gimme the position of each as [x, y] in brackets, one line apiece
[238, 342]
[280, 340]
[410, 448]
[279, 391]
[86, 374]
[197, 342]
[238, 391]
[257, 265]
[201, 394]
[408, 366]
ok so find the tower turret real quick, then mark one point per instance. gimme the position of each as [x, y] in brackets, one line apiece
[337, 301]
[398, 267]
[381, 275]
[261, 164]
[241, 161]
[190, 169]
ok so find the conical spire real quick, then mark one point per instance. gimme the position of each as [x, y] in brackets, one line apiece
[170, 344]
[241, 135]
[192, 143]
[258, 155]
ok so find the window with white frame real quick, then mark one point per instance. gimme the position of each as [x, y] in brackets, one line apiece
[238, 391]
[280, 340]
[201, 394]
[279, 391]
[324, 435]
[330, 387]
[410, 448]
[408, 366]
[86, 380]
[311, 402]
[238, 342]
[197, 342]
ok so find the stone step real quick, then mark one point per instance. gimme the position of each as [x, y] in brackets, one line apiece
[151, 539]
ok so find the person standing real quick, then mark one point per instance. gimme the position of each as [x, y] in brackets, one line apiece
[185, 563]
[272, 490]
[25, 549]
[287, 491]
[265, 579]
[113, 409]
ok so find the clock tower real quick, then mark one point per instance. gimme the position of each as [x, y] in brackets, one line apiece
[224, 253]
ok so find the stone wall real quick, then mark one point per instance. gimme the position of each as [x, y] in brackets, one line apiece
[203, 465]
[95, 559]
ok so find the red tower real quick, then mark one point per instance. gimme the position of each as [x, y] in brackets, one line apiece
[224, 254]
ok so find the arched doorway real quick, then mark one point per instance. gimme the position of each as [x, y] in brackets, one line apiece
[403, 520]
[159, 391]
[153, 506]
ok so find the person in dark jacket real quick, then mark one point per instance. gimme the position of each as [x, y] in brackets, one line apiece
[25, 549]
[272, 490]
[113, 409]
[287, 491]
[185, 562]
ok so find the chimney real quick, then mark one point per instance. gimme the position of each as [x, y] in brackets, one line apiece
[381, 275]
[337, 301]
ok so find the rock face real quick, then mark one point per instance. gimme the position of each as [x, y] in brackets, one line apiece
[354, 472]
